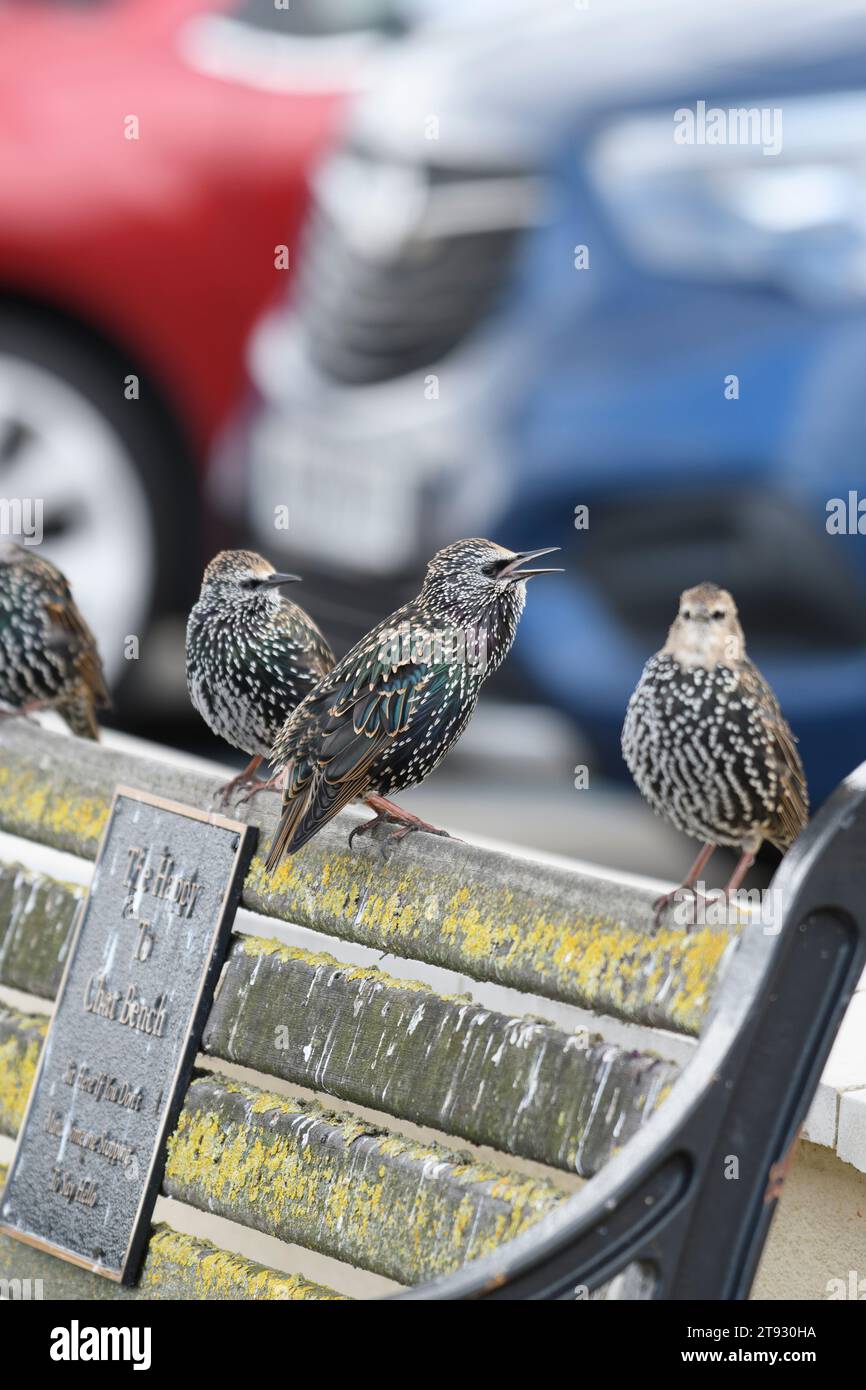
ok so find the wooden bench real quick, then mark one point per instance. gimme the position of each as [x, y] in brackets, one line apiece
[333, 1096]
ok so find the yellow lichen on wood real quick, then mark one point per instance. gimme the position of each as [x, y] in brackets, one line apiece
[598, 954]
[291, 1168]
[17, 1072]
[591, 959]
[30, 803]
[339, 891]
[218, 1274]
[318, 960]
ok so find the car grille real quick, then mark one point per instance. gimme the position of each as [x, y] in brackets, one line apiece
[793, 585]
[388, 292]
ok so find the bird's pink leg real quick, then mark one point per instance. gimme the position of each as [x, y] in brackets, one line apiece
[273, 784]
[744, 864]
[389, 811]
[247, 778]
[24, 712]
[688, 882]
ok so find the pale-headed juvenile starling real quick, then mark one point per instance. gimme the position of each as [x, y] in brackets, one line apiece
[251, 656]
[48, 655]
[706, 741]
[398, 701]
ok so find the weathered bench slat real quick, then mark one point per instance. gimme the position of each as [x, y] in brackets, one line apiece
[37, 915]
[176, 1266]
[21, 1038]
[336, 1184]
[519, 1085]
[540, 928]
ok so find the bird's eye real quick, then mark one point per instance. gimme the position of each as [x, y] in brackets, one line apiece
[717, 613]
[491, 569]
[686, 613]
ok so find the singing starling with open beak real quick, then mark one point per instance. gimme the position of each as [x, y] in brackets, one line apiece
[399, 700]
[707, 744]
[251, 656]
[48, 655]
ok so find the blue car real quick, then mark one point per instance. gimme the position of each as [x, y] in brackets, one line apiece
[698, 384]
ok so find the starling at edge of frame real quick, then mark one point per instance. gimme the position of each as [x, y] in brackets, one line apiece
[48, 654]
[707, 744]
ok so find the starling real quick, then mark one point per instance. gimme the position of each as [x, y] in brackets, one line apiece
[398, 701]
[706, 741]
[251, 656]
[48, 655]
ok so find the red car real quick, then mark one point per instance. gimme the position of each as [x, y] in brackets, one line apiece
[144, 204]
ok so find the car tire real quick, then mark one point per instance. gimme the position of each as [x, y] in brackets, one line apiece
[120, 513]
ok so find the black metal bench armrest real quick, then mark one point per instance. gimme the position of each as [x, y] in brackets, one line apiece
[670, 1200]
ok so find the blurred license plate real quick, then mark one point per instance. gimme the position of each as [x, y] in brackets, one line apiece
[344, 506]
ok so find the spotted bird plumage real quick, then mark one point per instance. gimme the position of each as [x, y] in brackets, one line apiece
[391, 709]
[706, 741]
[251, 655]
[48, 655]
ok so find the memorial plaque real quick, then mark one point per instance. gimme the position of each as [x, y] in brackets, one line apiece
[126, 1027]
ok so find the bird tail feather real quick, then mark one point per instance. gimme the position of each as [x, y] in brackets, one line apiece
[79, 713]
[304, 815]
[286, 839]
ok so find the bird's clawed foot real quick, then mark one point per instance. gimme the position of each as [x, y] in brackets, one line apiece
[724, 901]
[248, 783]
[366, 827]
[256, 785]
[687, 886]
[227, 793]
[661, 904]
[387, 813]
[25, 712]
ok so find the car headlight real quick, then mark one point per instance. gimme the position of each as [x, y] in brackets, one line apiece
[782, 204]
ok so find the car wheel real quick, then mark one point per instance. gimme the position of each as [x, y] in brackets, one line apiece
[98, 474]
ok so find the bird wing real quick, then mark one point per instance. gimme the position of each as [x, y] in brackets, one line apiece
[792, 810]
[302, 633]
[69, 634]
[331, 741]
